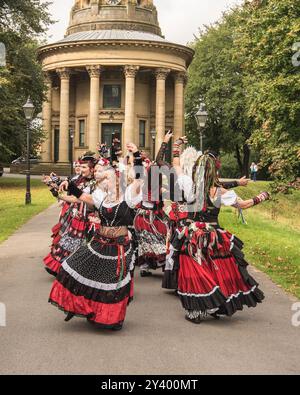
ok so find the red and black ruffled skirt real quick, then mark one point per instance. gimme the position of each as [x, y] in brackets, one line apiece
[151, 229]
[71, 235]
[96, 282]
[208, 269]
[229, 270]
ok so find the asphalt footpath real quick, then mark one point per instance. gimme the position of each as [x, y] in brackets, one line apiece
[156, 338]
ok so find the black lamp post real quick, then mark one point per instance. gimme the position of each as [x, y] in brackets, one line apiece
[71, 149]
[153, 136]
[201, 118]
[28, 111]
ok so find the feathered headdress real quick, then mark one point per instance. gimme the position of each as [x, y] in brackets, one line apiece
[188, 159]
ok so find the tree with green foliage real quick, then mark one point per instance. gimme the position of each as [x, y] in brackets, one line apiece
[216, 77]
[266, 34]
[22, 25]
[243, 71]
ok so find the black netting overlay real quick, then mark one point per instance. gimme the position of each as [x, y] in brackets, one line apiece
[101, 266]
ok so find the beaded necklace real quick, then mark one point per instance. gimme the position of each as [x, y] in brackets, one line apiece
[108, 223]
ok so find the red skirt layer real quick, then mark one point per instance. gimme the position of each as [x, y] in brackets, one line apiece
[197, 289]
[52, 264]
[226, 274]
[142, 224]
[96, 312]
[194, 278]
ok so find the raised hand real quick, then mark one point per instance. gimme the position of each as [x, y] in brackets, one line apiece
[63, 186]
[132, 148]
[46, 179]
[181, 141]
[243, 182]
[168, 136]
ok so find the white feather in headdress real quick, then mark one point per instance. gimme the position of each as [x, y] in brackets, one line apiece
[188, 159]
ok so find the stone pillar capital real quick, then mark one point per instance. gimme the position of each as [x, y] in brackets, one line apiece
[162, 74]
[64, 73]
[130, 71]
[47, 78]
[181, 77]
[94, 70]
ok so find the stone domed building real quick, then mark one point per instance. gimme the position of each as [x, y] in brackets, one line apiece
[112, 74]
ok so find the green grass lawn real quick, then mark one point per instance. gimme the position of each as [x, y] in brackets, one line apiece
[13, 211]
[271, 236]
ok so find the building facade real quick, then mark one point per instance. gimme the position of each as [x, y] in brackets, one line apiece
[113, 74]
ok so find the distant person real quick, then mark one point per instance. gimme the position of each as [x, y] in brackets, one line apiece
[254, 171]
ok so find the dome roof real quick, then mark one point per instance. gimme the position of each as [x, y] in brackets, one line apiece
[105, 35]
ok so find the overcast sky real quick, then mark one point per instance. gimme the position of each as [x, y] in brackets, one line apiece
[179, 19]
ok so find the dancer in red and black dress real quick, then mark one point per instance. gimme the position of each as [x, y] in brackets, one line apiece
[209, 262]
[72, 229]
[53, 182]
[151, 222]
[96, 282]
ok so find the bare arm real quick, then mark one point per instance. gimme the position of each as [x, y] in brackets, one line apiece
[69, 199]
[246, 204]
[176, 154]
[87, 198]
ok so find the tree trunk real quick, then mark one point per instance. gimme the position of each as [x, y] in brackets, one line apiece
[238, 158]
[246, 160]
[243, 162]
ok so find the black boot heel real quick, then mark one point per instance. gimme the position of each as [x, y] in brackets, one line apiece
[69, 317]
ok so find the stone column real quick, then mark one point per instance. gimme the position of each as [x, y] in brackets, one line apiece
[161, 76]
[64, 120]
[180, 81]
[130, 134]
[94, 72]
[47, 121]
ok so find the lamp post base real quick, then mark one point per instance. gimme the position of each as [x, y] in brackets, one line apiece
[28, 198]
[28, 191]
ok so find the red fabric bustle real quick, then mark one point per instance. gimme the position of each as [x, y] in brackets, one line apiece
[100, 313]
[78, 224]
[142, 224]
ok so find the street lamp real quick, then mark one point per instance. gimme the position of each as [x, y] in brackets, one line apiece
[111, 117]
[71, 131]
[201, 118]
[153, 136]
[28, 109]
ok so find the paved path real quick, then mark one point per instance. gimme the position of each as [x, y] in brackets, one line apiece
[156, 338]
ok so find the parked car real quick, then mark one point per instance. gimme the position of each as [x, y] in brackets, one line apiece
[1, 170]
[22, 161]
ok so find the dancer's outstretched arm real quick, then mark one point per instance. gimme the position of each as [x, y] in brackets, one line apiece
[78, 194]
[230, 198]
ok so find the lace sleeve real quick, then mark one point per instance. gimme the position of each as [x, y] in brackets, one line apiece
[131, 199]
[98, 197]
[229, 198]
[186, 185]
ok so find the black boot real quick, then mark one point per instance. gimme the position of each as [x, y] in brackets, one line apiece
[50, 272]
[69, 317]
[117, 328]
